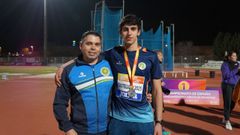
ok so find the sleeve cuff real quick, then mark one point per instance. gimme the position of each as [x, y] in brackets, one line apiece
[67, 127]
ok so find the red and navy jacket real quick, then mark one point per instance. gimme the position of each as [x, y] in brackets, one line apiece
[88, 88]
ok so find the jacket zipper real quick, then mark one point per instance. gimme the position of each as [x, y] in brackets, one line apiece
[96, 97]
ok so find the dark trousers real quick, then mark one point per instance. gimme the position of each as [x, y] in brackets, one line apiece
[118, 127]
[227, 91]
[101, 133]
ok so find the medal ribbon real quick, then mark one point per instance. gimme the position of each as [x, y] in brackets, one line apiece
[131, 74]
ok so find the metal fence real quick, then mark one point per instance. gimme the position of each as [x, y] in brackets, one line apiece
[34, 61]
[178, 60]
[190, 60]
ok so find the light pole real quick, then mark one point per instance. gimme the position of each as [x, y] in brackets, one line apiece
[173, 43]
[45, 33]
[0, 51]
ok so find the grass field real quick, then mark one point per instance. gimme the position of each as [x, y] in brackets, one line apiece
[32, 70]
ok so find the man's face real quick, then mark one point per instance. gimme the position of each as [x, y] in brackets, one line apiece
[91, 47]
[130, 34]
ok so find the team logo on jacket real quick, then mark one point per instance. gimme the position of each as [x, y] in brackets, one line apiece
[142, 65]
[119, 62]
[81, 75]
[105, 71]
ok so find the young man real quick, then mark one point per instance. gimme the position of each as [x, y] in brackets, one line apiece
[133, 66]
[87, 84]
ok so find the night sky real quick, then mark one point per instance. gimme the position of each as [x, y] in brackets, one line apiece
[21, 21]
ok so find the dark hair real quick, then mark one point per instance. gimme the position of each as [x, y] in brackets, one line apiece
[229, 54]
[85, 34]
[130, 19]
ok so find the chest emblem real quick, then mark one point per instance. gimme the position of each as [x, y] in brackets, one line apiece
[105, 71]
[142, 65]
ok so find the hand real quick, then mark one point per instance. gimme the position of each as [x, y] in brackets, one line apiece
[165, 90]
[71, 132]
[163, 83]
[149, 97]
[158, 129]
[58, 76]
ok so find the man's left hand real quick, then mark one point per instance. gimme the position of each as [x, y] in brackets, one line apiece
[149, 97]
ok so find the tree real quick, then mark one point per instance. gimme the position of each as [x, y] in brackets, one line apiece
[218, 48]
[226, 42]
[235, 43]
[238, 45]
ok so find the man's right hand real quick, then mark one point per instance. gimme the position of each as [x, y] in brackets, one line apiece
[58, 76]
[60, 70]
[71, 132]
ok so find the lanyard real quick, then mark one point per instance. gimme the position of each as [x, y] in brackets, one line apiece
[131, 74]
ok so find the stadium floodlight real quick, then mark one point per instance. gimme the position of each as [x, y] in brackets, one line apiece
[74, 43]
[32, 48]
[196, 58]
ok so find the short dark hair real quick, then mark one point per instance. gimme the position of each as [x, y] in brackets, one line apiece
[85, 34]
[229, 54]
[130, 19]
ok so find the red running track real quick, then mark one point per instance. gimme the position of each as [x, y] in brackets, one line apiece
[26, 109]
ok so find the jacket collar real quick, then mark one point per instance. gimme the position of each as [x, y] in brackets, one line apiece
[80, 61]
